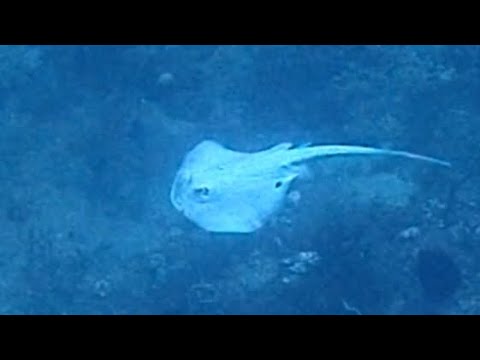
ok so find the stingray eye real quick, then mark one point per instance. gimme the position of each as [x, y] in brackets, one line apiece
[202, 191]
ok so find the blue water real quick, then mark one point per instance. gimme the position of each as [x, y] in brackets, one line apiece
[92, 137]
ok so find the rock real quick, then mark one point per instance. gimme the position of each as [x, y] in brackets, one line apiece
[439, 276]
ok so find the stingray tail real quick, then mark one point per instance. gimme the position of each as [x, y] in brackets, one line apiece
[301, 154]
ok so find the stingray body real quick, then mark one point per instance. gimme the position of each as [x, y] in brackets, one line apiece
[222, 190]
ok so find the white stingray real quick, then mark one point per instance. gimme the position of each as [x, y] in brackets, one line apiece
[222, 190]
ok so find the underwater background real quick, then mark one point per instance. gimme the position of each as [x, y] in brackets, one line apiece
[92, 136]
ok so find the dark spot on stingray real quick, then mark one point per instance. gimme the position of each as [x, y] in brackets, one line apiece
[439, 276]
[278, 184]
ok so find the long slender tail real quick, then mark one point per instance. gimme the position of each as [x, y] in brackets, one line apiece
[301, 154]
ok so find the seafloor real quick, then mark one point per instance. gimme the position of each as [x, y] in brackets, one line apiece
[91, 138]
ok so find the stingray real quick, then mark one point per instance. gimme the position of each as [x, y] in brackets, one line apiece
[227, 191]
